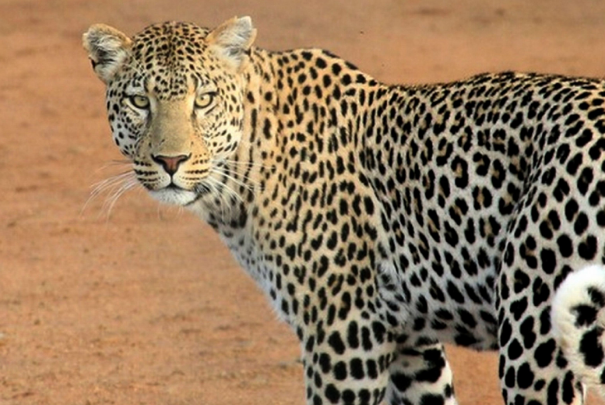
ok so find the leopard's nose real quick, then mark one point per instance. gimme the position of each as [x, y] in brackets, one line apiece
[170, 163]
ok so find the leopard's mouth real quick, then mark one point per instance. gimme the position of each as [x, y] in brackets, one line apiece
[173, 194]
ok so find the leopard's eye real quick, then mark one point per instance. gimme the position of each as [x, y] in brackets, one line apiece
[140, 102]
[204, 100]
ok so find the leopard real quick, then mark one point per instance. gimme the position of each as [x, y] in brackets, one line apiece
[381, 221]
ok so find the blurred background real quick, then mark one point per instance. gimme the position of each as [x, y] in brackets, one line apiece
[142, 304]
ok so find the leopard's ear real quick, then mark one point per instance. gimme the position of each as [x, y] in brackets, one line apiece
[232, 40]
[107, 49]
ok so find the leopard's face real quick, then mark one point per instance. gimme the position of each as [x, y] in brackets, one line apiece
[175, 104]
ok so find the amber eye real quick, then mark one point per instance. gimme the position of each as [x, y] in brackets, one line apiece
[204, 100]
[140, 102]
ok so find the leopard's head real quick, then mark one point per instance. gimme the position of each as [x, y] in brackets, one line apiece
[175, 95]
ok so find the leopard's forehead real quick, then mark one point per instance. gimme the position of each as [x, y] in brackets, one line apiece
[171, 36]
[171, 56]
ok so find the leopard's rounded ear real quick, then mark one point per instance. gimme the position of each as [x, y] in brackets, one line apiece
[107, 49]
[232, 40]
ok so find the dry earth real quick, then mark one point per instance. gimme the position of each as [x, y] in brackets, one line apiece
[143, 305]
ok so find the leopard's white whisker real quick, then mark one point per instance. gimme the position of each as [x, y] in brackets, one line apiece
[246, 183]
[115, 185]
[245, 164]
[117, 193]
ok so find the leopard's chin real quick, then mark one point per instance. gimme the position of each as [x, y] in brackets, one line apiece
[174, 196]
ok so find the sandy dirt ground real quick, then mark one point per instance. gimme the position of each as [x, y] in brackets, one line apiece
[142, 304]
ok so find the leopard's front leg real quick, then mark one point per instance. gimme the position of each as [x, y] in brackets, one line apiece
[346, 358]
[420, 375]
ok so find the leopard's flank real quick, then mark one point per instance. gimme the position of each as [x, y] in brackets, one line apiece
[381, 221]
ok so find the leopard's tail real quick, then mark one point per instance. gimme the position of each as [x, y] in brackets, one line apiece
[578, 318]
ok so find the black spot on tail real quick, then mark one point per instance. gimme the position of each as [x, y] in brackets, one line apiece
[585, 315]
[590, 347]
